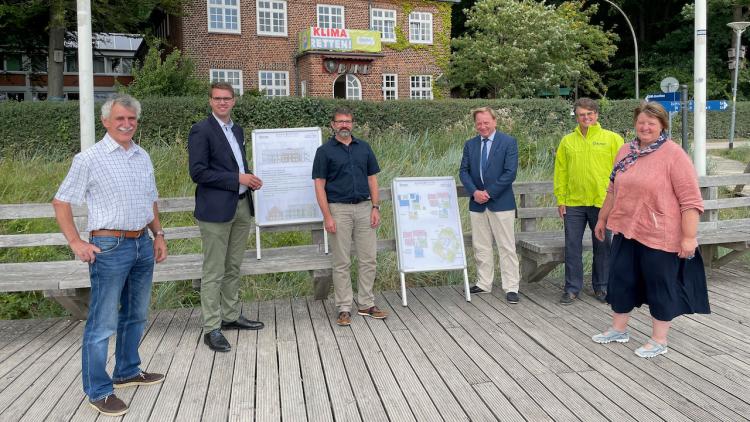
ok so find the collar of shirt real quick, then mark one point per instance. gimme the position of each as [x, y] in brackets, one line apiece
[489, 138]
[229, 125]
[335, 141]
[112, 146]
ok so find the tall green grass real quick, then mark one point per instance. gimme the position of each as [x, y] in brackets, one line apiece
[400, 152]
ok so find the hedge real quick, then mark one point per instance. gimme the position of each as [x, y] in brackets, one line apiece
[51, 128]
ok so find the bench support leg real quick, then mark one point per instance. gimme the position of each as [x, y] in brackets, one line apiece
[532, 271]
[322, 280]
[75, 301]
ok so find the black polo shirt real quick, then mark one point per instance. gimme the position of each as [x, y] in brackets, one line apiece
[345, 168]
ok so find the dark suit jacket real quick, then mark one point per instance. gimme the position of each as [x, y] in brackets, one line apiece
[501, 172]
[215, 171]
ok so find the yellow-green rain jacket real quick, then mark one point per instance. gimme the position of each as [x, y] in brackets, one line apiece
[583, 165]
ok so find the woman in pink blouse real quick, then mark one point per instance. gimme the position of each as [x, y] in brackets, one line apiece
[652, 207]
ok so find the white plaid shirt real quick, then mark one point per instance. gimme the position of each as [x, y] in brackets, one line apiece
[118, 186]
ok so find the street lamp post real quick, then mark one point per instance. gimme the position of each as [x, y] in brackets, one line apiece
[739, 28]
[635, 45]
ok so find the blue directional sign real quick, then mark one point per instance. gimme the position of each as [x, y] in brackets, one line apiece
[664, 96]
[670, 106]
[712, 105]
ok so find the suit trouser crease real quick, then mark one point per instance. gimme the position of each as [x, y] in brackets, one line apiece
[223, 251]
[353, 226]
[498, 225]
[576, 219]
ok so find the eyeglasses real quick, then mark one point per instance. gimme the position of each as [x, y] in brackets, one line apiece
[588, 114]
[222, 99]
[342, 121]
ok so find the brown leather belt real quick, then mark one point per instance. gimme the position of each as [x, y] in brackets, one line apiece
[128, 234]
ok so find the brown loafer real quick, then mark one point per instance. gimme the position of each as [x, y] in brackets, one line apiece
[345, 318]
[373, 311]
[110, 406]
[144, 378]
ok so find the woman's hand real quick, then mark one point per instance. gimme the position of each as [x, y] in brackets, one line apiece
[687, 247]
[600, 230]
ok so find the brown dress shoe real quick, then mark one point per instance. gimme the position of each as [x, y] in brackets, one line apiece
[144, 378]
[374, 312]
[345, 318]
[110, 406]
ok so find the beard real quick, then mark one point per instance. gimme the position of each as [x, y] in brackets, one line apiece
[344, 133]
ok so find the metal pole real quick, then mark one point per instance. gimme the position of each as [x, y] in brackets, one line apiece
[635, 45]
[85, 74]
[684, 117]
[739, 28]
[699, 90]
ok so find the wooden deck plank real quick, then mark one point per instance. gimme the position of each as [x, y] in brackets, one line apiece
[361, 380]
[268, 405]
[678, 395]
[290, 374]
[242, 402]
[340, 391]
[144, 398]
[316, 395]
[168, 401]
[497, 402]
[420, 342]
[50, 399]
[194, 394]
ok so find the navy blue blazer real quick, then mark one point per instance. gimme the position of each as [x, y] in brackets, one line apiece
[215, 171]
[501, 172]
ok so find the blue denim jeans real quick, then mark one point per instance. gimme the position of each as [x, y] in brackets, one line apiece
[120, 296]
[576, 219]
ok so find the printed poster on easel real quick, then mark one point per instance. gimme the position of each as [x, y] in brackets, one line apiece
[283, 159]
[428, 227]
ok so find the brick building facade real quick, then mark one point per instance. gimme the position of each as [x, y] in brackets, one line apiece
[255, 44]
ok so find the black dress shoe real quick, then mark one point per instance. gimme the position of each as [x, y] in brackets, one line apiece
[477, 289]
[216, 341]
[242, 323]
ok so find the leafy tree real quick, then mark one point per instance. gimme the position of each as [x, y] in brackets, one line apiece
[171, 77]
[516, 48]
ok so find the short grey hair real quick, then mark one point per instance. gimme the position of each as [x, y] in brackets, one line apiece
[124, 100]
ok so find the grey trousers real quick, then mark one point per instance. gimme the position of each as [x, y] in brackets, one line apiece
[576, 219]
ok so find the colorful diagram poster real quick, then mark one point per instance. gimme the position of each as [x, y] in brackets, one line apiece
[428, 224]
[283, 159]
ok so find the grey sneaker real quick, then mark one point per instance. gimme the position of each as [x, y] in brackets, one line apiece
[567, 298]
[601, 296]
[512, 298]
[610, 336]
[656, 349]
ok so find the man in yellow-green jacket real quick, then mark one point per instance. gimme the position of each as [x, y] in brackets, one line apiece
[583, 162]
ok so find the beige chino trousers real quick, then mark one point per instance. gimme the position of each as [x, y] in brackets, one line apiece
[498, 225]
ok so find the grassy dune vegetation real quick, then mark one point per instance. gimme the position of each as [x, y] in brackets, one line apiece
[401, 152]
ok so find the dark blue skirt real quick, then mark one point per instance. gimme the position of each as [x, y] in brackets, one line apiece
[669, 285]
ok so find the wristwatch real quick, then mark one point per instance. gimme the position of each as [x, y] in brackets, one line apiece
[376, 207]
[159, 233]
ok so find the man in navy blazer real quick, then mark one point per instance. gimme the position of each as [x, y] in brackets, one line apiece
[488, 169]
[224, 210]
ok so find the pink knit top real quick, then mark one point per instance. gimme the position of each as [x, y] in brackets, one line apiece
[651, 195]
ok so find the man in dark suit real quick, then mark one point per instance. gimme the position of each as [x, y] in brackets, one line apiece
[224, 210]
[488, 169]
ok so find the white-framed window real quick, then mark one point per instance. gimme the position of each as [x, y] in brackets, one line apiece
[273, 84]
[420, 27]
[421, 87]
[384, 20]
[271, 17]
[390, 86]
[353, 88]
[231, 76]
[330, 16]
[224, 16]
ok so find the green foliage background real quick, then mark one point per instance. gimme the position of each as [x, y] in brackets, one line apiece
[51, 129]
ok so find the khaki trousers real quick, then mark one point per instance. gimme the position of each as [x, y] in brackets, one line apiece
[223, 250]
[353, 224]
[484, 226]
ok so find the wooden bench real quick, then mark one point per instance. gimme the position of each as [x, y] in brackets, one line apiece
[541, 251]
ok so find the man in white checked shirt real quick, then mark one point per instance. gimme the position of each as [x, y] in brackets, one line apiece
[115, 178]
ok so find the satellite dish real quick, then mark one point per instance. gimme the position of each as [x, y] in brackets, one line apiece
[669, 84]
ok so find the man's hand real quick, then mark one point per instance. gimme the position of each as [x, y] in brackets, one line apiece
[160, 249]
[251, 181]
[481, 196]
[687, 247]
[375, 218]
[330, 225]
[561, 211]
[85, 251]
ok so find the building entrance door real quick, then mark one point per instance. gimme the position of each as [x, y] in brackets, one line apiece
[347, 87]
